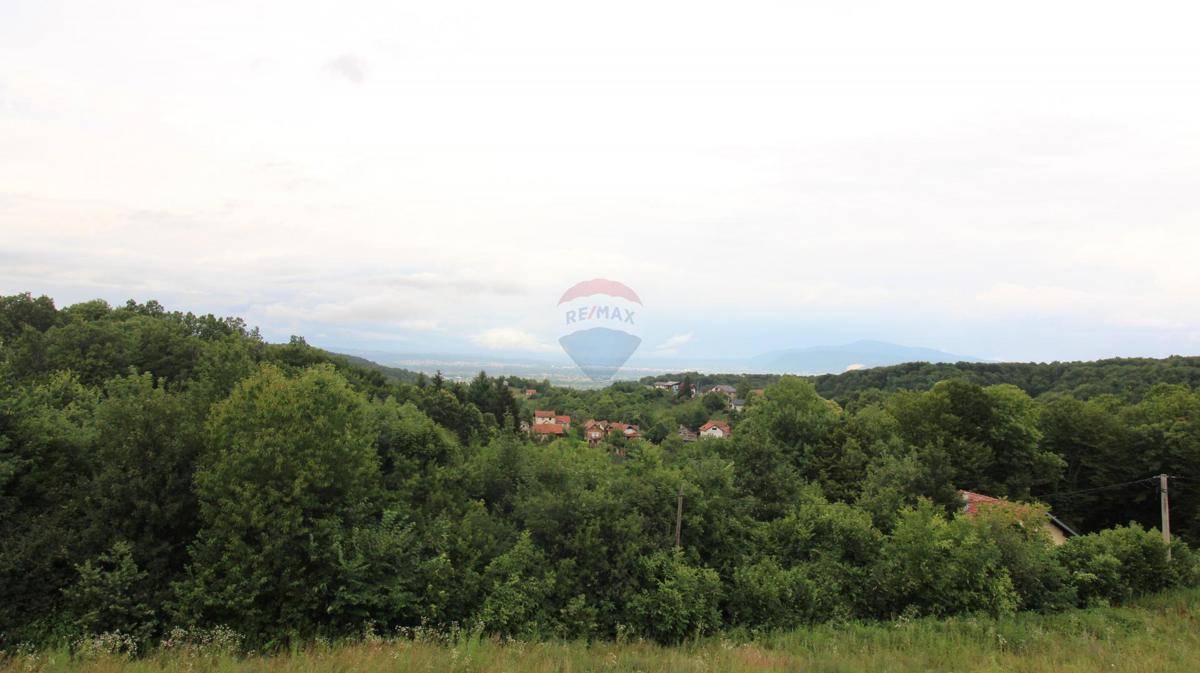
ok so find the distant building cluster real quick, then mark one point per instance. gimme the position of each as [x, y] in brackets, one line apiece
[547, 423]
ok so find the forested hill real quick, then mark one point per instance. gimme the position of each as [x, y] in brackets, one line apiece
[1127, 378]
[396, 374]
[96, 341]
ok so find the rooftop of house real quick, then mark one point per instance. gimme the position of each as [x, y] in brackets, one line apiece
[548, 429]
[973, 501]
[720, 425]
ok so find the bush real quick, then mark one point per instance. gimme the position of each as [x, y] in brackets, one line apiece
[815, 566]
[1119, 563]
[379, 575]
[679, 600]
[519, 585]
[934, 566]
[1027, 553]
[110, 598]
[767, 594]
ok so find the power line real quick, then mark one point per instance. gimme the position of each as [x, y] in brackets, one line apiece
[1097, 488]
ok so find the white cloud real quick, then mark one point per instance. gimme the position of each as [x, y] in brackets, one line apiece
[672, 344]
[510, 338]
[350, 67]
[921, 174]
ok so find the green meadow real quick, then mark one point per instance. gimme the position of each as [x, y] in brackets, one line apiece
[1154, 633]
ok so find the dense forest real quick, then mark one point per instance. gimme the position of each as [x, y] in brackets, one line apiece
[161, 469]
[1129, 379]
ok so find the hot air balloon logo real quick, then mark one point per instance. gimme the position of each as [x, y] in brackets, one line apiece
[600, 326]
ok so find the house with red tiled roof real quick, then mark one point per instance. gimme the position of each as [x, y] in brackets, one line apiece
[548, 417]
[973, 503]
[595, 431]
[716, 429]
[627, 430]
[547, 430]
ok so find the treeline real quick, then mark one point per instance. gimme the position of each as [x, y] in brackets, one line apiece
[160, 469]
[1128, 379]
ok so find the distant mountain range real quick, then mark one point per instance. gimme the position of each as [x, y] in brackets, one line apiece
[836, 359]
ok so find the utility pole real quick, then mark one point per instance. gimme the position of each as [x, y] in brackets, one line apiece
[1165, 507]
[679, 517]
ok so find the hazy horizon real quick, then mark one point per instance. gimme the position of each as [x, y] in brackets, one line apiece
[1015, 185]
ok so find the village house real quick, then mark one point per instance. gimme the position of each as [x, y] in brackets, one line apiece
[1054, 527]
[627, 430]
[548, 430]
[717, 429]
[737, 405]
[686, 434]
[596, 431]
[723, 389]
[545, 417]
[672, 386]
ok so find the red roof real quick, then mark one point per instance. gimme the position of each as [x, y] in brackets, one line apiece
[721, 425]
[974, 500]
[563, 419]
[543, 414]
[548, 429]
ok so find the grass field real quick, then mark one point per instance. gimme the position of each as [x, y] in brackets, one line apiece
[1157, 633]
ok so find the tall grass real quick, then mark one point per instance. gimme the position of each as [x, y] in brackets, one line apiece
[1157, 633]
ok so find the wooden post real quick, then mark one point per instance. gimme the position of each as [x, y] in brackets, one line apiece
[679, 518]
[1165, 508]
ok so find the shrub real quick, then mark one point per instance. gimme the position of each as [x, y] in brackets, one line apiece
[105, 645]
[1119, 563]
[934, 566]
[110, 598]
[679, 600]
[815, 566]
[519, 585]
[201, 642]
[767, 594]
[1027, 553]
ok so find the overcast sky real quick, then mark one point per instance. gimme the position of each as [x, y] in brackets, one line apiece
[1015, 180]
